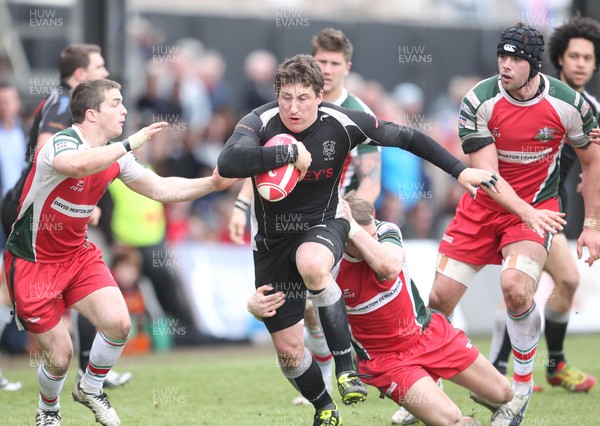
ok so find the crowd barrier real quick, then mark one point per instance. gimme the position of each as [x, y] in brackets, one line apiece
[219, 279]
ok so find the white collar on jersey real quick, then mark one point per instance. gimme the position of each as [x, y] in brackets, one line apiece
[80, 134]
[342, 97]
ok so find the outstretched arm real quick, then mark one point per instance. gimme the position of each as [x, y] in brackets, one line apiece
[237, 221]
[76, 163]
[391, 134]
[176, 189]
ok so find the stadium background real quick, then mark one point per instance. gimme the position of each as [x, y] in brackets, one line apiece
[426, 43]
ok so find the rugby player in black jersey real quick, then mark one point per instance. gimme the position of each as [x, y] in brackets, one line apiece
[293, 261]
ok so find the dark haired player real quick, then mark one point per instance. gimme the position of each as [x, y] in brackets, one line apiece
[575, 53]
[516, 123]
[305, 259]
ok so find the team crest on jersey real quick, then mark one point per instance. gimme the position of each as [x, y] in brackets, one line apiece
[546, 134]
[328, 150]
[496, 133]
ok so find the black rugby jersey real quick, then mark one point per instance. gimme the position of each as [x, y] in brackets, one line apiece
[51, 116]
[568, 156]
[329, 140]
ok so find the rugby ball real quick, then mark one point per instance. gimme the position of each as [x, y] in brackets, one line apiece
[277, 184]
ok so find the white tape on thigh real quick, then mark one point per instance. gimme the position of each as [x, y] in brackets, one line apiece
[524, 264]
[455, 269]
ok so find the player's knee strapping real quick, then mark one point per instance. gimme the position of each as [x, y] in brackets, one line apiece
[455, 269]
[524, 264]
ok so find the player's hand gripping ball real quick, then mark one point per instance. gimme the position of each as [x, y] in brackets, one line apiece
[277, 184]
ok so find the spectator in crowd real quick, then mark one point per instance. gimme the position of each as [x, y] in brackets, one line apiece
[6, 73]
[13, 146]
[259, 70]
[126, 269]
[177, 94]
[403, 180]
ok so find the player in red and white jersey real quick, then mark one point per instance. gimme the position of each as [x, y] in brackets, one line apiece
[55, 209]
[403, 346]
[78, 62]
[383, 301]
[574, 50]
[516, 123]
[51, 266]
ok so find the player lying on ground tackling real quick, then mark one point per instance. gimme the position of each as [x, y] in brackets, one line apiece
[403, 346]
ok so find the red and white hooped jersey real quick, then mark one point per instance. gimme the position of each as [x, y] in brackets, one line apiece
[54, 209]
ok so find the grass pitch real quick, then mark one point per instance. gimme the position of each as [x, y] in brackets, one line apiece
[241, 385]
